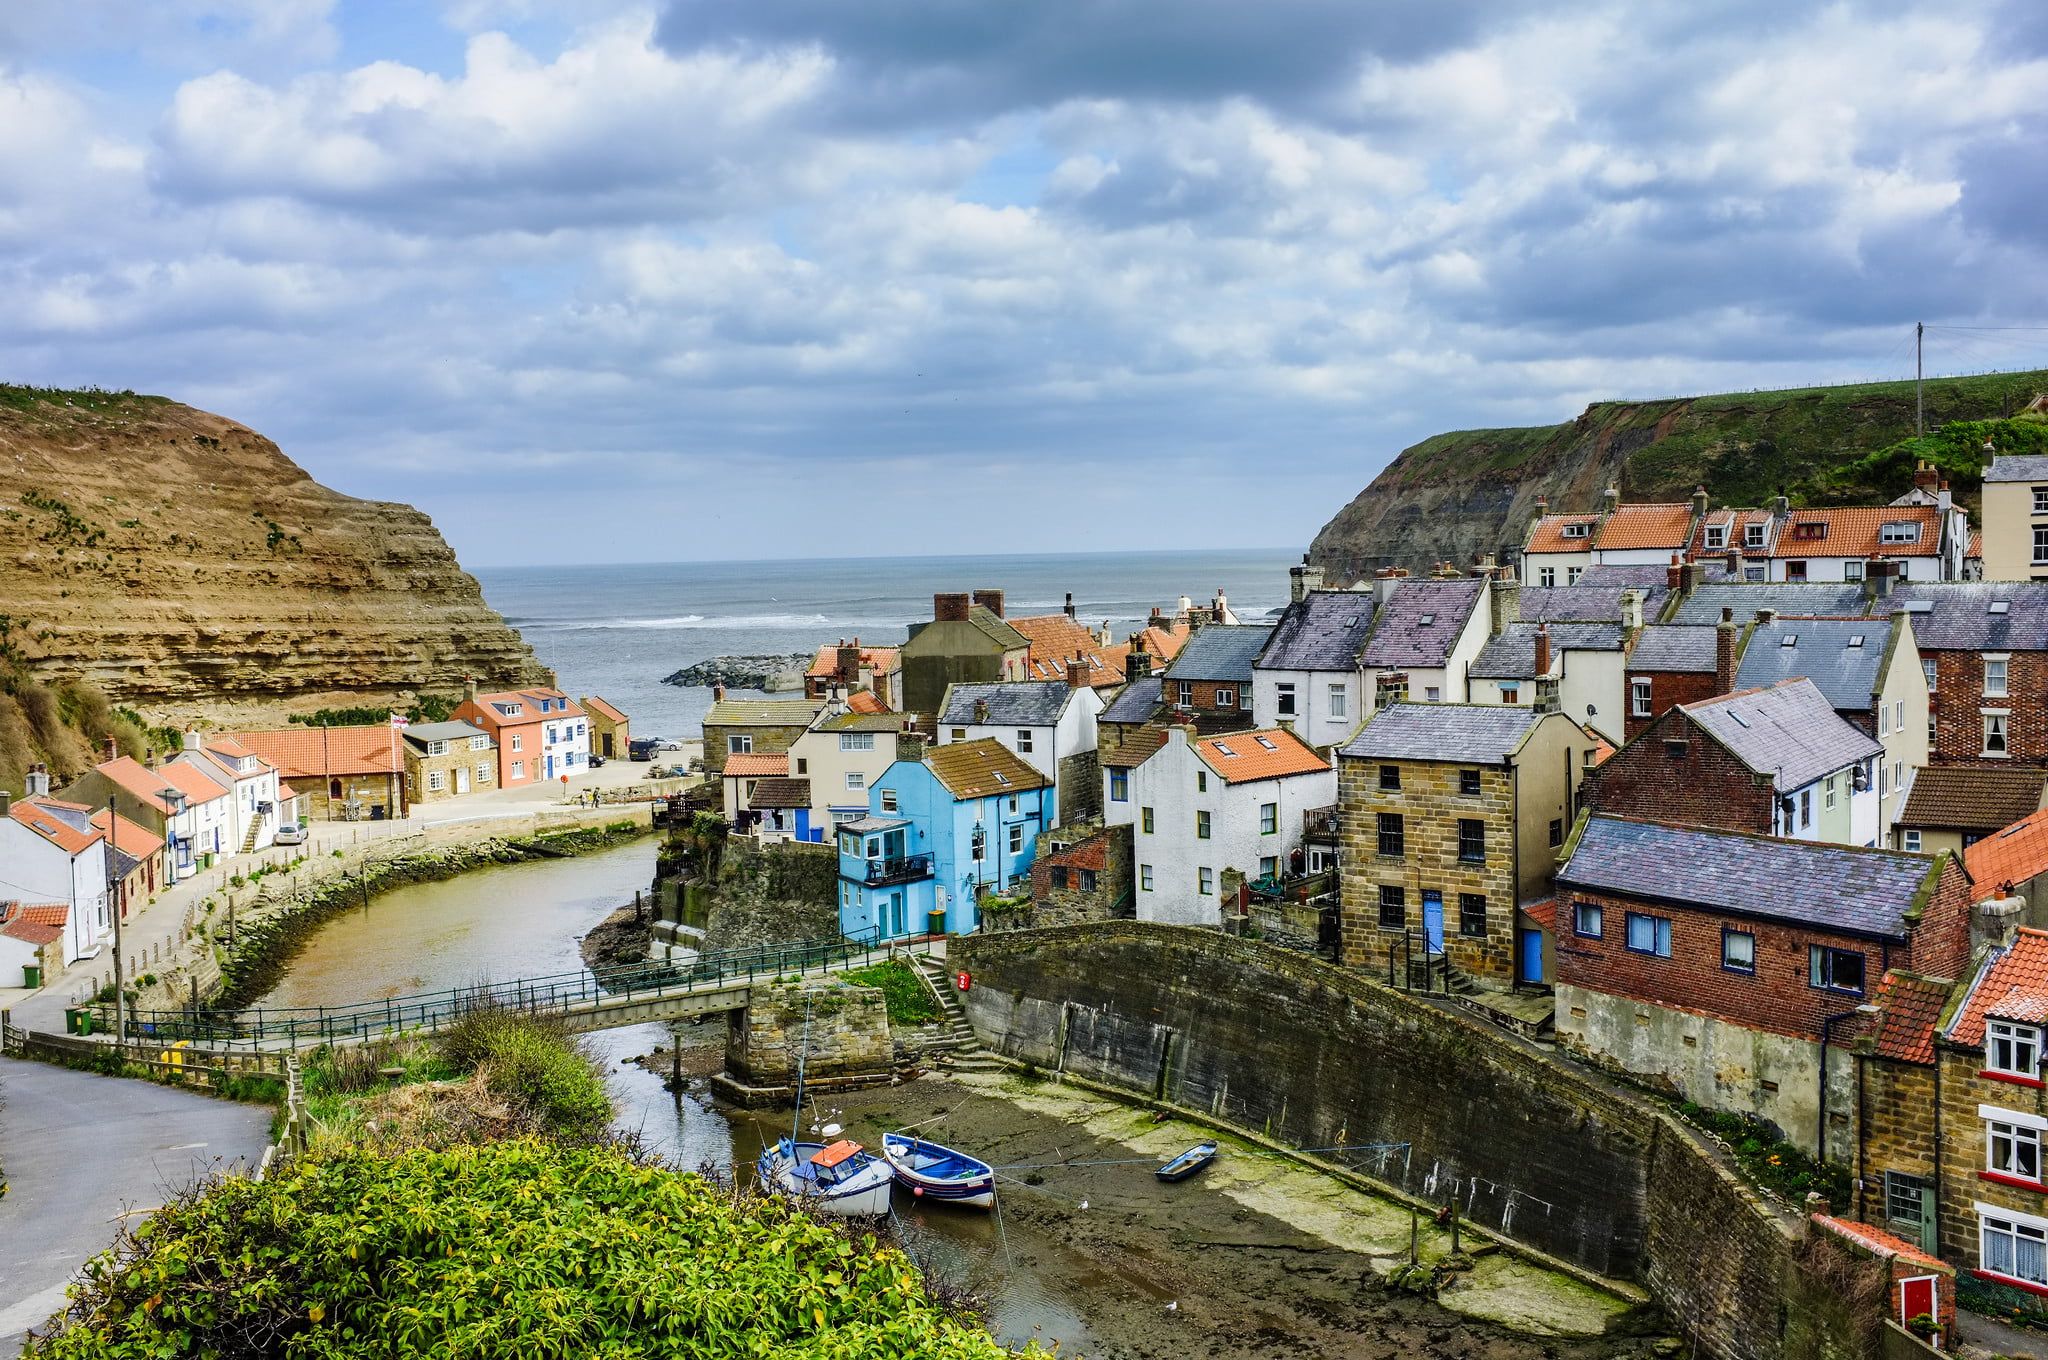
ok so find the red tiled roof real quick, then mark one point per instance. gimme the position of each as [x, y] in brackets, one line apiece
[228, 746]
[826, 663]
[864, 701]
[1274, 753]
[1912, 1005]
[2013, 855]
[32, 932]
[1547, 535]
[1976, 548]
[131, 774]
[1162, 644]
[751, 766]
[529, 707]
[190, 781]
[1877, 1240]
[42, 913]
[285, 792]
[2016, 978]
[52, 829]
[1543, 913]
[1646, 526]
[1737, 523]
[1853, 531]
[321, 752]
[1056, 639]
[128, 837]
[603, 709]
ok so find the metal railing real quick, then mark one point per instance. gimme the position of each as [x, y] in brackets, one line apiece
[429, 1011]
[907, 869]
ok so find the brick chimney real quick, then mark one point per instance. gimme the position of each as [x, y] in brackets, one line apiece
[1077, 675]
[991, 600]
[1538, 511]
[1925, 477]
[718, 694]
[1726, 634]
[554, 681]
[950, 607]
[848, 668]
[109, 749]
[1734, 562]
[1542, 650]
[1674, 575]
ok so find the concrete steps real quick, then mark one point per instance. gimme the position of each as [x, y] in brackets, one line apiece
[255, 833]
[962, 1052]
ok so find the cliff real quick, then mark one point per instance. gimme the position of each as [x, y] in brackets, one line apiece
[1472, 491]
[180, 563]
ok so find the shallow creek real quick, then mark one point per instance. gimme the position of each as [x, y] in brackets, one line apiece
[1254, 1258]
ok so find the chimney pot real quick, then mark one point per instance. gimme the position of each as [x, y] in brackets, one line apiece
[991, 600]
[1070, 604]
[1542, 650]
[6, 801]
[950, 607]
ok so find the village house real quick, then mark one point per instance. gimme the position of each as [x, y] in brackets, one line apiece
[32, 942]
[1572, 668]
[1683, 960]
[741, 778]
[1059, 640]
[138, 860]
[2015, 858]
[1711, 601]
[55, 856]
[251, 783]
[611, 734]
[1049, 724]
[1451, 818]
[1133, 716]
[1081, 872]
[350, 774]
[966, 642]
[1777, 761]
[1984, 648]
[841, 756]
[1211, 681]
[1559, 549]
[941, 833]
[540, 736]
[2016, 518]
[153, 801]
[759, 727]
[1672, 664]
[1209, 813]
[850, 666]
[1953, 807]
[446, 760]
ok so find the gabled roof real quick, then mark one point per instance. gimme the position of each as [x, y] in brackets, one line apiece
[529, 706]
[1856, 531]
[984, 768]
[1793, 599]
[1512, 654]
[1325, 630]
[129, 839]
[18, 926]
[2012, 984]
[1586, 603]
[322, 752]
[1646, 526]
[1844, 657]
[1056, 639]
[1912, 1007]
[1965, 616]
[987, 622]
[1737, 523]
[1422, 620]
[456, 730]
[763, 712]
[865, 701]
[750, 766]
[135, 777]
[65, 825]
[1246, 757]
[823, 666]
[781, 793]
[1163, 642]
[1674, 648]
[1789, 731]
[1841, 887]
[1137, 702]
[229, 747]
[609, 713]
[1640, 576]
[193, 781]
[1221, 652]
[1547, 535]
[1465, 734]
[1977, 798]
[1014, 703]
[2018, 467]
[2013, 855]
[42, 913]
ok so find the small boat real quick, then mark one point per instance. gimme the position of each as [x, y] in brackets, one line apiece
[935, 1172]
[1188, 1163]
[840, 1178]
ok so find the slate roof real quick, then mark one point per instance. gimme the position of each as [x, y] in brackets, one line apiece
[1587, 603]
[1422, 620]
[1674, 648]
[1468, 734]
[1247, 757]
[1643, 576]
[1794, 599]
[870, 824]
[1972, 797]
[1222, 652]
[1844, 657]
[1912, 1007]
[1325, 630]
[981, 769]
[1957, 615]
[1011, 703]
[1789, 731]
[1136, 702]
[1512, 654]
[2018, 467]
[442, 731]
[747, 765]
[1847, 888]
[763, 712]
[2012, 855]
[2012, 985]
[781, 793]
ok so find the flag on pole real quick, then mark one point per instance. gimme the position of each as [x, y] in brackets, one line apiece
[400, 720]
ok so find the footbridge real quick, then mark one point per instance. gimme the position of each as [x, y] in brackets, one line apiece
[583, 1001]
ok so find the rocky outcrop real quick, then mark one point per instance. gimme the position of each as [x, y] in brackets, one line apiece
[179, 561]
[769, 673]
[1472, 491]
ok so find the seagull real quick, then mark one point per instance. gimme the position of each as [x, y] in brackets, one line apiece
[1084, 1204]
[1173, 1307]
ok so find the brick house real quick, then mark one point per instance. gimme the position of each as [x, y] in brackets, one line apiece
[1211, 679]
[611, 734]
[1984, 648]
[446, 760]
[1710, 961]
[1670, 664]
[1954, 807]
[1451, 817]
[539, 734]
[1082, 872]
[1777, 761]
[761, 727]
[341, 773]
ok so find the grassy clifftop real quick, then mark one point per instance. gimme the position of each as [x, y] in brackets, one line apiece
[1471, 491]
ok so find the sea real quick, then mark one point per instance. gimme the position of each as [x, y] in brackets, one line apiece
[617, 631]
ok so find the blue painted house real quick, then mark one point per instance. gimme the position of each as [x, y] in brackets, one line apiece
[939, 833]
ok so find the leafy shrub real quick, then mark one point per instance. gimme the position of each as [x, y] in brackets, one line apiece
[909, 1000]
[528, 1062]
[1770, 1160]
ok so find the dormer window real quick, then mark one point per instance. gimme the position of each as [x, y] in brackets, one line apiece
[2012, 1049]
[1579, 530]
[1810, 530]
[1717, 535]
[1899, 531]
[1753, 535]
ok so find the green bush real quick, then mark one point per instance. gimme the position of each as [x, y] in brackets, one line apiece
[1778, 1165]
[909, 1000]
[528, 1062]
[513, 1249]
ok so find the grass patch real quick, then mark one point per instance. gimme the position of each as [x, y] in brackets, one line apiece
[1771, 1162]
[910, 1002]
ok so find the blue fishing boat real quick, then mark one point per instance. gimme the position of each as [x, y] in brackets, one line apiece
[840, 1178]
[1188, 1163]
[940, 1173]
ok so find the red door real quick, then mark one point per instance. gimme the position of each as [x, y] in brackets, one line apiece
[1919, 1297]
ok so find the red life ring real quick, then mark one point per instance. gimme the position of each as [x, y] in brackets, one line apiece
[962, 981]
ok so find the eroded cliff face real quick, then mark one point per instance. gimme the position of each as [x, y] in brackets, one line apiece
[181, 563]
[1472, 492]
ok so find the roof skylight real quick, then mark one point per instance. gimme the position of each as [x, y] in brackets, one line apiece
[1740, 721]
[2001, 606]
[1266, 742]
[1789, 640]
[1856, 641]
[1223, 749]
[1426, 619]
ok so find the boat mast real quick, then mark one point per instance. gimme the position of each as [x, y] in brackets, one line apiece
[803, 1054]
[1919, 379]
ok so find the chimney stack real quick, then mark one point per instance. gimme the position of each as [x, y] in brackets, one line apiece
[1726, 634]
[109, 748]
[1943, 501]
[1542, 650]
[1610, 499]
[1699, 501]
[1925, 477]
[191, 738]
[981, 710]
[1302, 579]
[1538, 511]
[1631, 609]
[6, 801]
[469, 689]
[1781, 506]
[718, 694]
[1734, 563]
[950, 607]
[1138, 661]
[1674, 575]
[1504, 598]
[1070, 604]
[39, 780]
[991, 600]
[1383, 583]
[848, 668]
[1996, 918]
[554, 681]
[1077, 674]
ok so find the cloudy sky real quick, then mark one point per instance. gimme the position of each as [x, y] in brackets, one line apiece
[601, 280]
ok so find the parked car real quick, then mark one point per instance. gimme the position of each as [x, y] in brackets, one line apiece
[669, 743]
[291, 833]
[594, 760]
[643, 748]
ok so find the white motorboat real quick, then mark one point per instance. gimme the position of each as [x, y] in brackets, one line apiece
[840, 1178]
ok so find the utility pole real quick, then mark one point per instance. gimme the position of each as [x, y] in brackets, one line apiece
[120, 977]
[1919, 379]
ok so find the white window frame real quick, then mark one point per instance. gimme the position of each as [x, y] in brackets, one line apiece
[738, 744]
[1753, 535]
[1340, 699]
[1717, 536]
[2012, 1048]
[1572, 574]
[1909, 839]
[1016, 838]
[1226, 697]
[1639, 699]
[1144, 878]
[483, 772]
[1998, 721]
[1546, 576]
[479, 743]
[436, 781]
[2003, 661]
[1023, 741]
[888, 800]
[2041, 500]
[856, 779]
[1899, 531]
[2040, 543]
[856, 741]
[2012, 1142]
[2014, 1228]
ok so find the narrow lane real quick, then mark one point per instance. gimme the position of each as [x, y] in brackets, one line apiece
[81, 1150]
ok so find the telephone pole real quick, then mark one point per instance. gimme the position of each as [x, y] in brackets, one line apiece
[114, 903]
[1919, 380]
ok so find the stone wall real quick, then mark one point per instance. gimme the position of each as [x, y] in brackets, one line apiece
[1539, 1151]
[846, 1034]
[1080, 784]
[1064, 854]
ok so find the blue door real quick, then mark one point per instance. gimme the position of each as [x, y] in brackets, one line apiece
[1532, 956]
[1432, 921]
[897, 925]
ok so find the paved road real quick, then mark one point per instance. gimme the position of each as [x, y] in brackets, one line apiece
[81, 1150]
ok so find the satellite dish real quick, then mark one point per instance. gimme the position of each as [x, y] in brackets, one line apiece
[830, 1130]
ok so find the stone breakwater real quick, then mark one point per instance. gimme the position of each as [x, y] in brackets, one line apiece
[771, 674]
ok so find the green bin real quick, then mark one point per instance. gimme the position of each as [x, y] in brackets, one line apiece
[31, 976]
[71, 1019]
[935, 922]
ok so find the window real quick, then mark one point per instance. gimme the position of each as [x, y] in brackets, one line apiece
[1994, 675]
[1059, 875]
[1087, 879]
[1852, 571]
[1649, 935]
[1468, 783]
[1556, 832]
[1547, 576]
[1927, 669]
[2040, 545]
[1393, 838]
[1187, 692]
[1717, 535]
[519, 769]
[483, 772]
[1586, 920]
[1201, 781]
[1904, 1198]
[1994, 734]
[1017, 838]
[1811, 529]
[1910, 840]
[2011, 1048]
[1472, 840]
[1269, 867]
[518, 742]
[856, 741]
[1431, 694]
[959, 734]
[1205, 882]
[2041, 500]
[436, 781]
[856, 779]
[1806, 807]
[1023, 741]
[2012, 1149]
[1899, 531]
[734, 745]
[1738, 951]
[1226, 697]
[1827, 791]
[1145, 820]
[437, 748]
[1269, 819]
[1572, 574]
[874, 847]
[1639, 698]
[1581, 529]
[1753, 535]
[479, 743]
[1145, 878]
[1676, 749]
[1511, 694]
[1472, 915]
[1013, 802]
[1285, 704]
[1835, 970]
[1390, 779]
[1119, 786]
[2014, 1246]
[1393, 907]
[1884, 720]
[1339, 700]
[888, 800]
[1899, 716]
[1202, 825]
